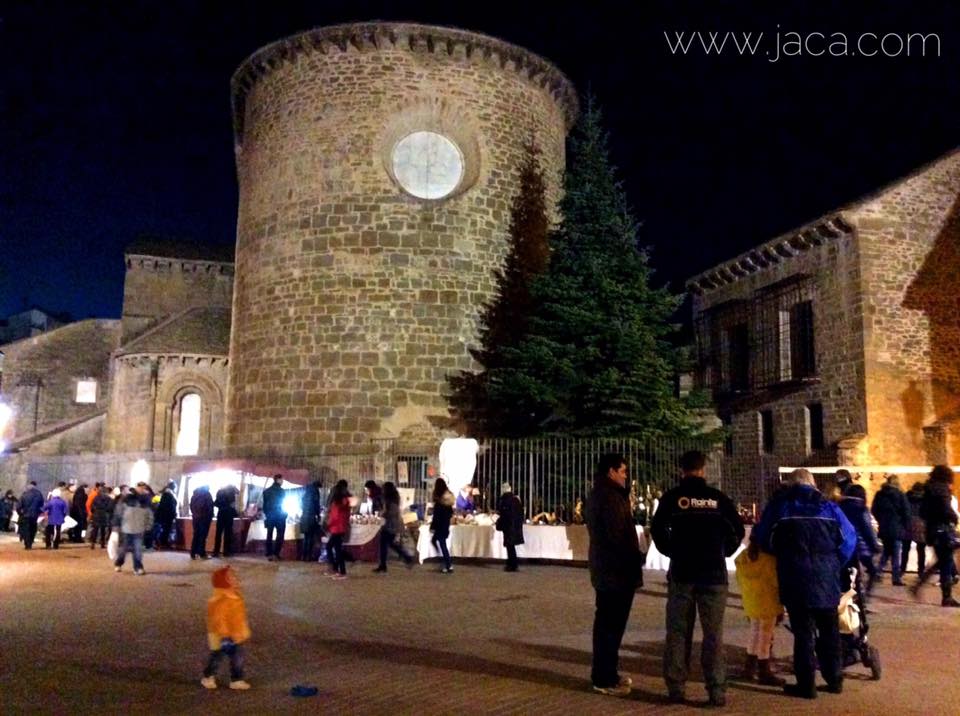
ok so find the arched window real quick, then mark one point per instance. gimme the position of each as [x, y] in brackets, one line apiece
[188, 435]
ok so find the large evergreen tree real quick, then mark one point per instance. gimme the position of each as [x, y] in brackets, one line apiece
[596, 359]
[504, 320]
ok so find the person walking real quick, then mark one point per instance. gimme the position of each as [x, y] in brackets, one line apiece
[892, 511]
[56, 510]
[227, 629]
[917, 532]
[78, 511]
[812, 540]
[101, 515]
[443, 502]
[697, 527]
[941, 521]
[510, 522]
[616, 570]
[854, 506]
[135, 519]
[31, 507]
[8, 506]
[392, 531]
[310, 519]
[338, 525]
[226, 504]
[201, 516]
[166, 514]
[274, 517]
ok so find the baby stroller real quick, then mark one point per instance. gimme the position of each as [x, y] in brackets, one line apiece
[854, 646]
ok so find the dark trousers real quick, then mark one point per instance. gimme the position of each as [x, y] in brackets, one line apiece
[224, 536]
[233, 652]
[816, 639]
[440, 543]
[28, 531]
[609, 623]
[891, 551]
[388, 540]
[921, 556]
[198, 545]
[165, 530]
[51, 535]
[512, 561]
[335, 549]
[944, 565]
[276, 526]
[309, 540]
[76, 533]
[684, 603]
[101, 531]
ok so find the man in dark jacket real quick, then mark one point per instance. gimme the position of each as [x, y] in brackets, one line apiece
[616, 570]
[510, 522]
[917, 532]
[275, 517]
[31, 505]
[101, 514]
[78, 511]
[812, 540]
[892, 511]
[166, 514]
[226, 504]
[310, 519]
[854, 507]
[201, 513]
[697, 527]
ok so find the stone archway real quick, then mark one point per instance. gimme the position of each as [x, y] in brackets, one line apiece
[170, 395]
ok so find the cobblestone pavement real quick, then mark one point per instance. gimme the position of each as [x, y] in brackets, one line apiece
[76, 638]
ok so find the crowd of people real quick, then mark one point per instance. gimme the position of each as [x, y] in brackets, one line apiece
[809, 552]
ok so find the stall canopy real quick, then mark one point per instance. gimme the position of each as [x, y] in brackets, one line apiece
[296, 476]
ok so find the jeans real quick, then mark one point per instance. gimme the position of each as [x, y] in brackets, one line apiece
[233, 652]
[512, 561]
[440, 543]
[921, 556]
[609, 623]
[891, 551]
[198, 545]
[816, 639]
[51, 534]
[224, 535]
[164, 532]
[684, 602]
[131, 543]
[276, 526]
[335, 548]
[388, 540]
[101, 531]
[28, 531]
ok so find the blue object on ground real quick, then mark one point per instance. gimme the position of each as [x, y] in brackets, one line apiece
[304, 691]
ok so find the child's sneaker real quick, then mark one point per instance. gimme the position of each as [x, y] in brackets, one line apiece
[208, 682]
[139, 572]
[339, 577]
[117, 569]
[239, 685]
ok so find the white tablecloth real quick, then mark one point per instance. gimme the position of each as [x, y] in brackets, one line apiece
[567, 542]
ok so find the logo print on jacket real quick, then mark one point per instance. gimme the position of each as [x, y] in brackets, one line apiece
[696, 503]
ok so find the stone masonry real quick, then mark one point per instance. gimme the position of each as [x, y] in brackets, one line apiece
[883, 277]
[354, 300]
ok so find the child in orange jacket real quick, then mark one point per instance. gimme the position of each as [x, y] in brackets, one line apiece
[227, 629]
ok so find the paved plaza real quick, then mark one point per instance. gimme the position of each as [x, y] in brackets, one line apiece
[76, 638]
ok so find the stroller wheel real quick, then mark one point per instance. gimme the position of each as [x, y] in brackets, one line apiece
[873, 662]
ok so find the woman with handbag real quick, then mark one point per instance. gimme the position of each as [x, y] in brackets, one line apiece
[391, 534]
[941, 521]
[338, 524]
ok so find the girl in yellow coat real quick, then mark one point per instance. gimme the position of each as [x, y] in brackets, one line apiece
[757, 577]
[227, 629]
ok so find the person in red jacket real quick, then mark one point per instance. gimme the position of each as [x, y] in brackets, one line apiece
[338, 524]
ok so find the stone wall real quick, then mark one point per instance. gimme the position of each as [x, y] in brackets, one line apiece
[145, 405]
[910, 245]
[40, 375]
[833, 268]
[157, 287]
[354, 300]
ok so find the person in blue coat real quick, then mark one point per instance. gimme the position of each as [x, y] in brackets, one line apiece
[56, 509]
[812, 540]
[854, 506]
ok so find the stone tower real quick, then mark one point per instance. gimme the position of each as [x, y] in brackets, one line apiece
[377, 163]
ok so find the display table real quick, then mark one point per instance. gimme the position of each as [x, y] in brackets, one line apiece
[559, 542]
[184, 536]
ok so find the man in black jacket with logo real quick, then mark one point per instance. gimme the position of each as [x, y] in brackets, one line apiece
[616, 570]
[698, 527]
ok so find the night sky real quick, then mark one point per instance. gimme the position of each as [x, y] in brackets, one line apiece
[115, 121]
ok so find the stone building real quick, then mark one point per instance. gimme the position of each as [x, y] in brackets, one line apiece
[376, 163]
[839, 342]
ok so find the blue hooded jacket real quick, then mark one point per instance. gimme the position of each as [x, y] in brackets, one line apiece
[812, 540]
